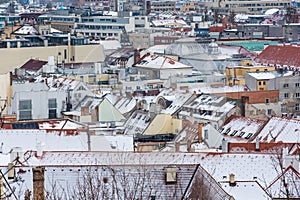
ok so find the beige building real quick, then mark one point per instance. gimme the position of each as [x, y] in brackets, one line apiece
[5, 93]
[12, 58]
[163, 6]
[139, 40]
[251, 6]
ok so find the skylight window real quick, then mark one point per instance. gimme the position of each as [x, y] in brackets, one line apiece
[249, 135]
[233, 133]
[227, 131]
[241, 134]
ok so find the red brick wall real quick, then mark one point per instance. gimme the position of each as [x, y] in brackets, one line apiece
[254, 96]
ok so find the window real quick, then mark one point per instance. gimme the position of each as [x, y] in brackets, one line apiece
[286, 95]
[285, 85]
[297, 106]
[227, 131]
[52, 108]
[205, 134]
[25, 109]
[267, 100]
[297, 95]
[269, 111]
[259, 82]
[233, 133]
[297, 84]
[275, 100]
[241, 134]
[264, 82]
[283, 107]
[249, 135]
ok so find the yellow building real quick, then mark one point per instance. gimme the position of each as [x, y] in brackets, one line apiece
[164, 124]
[236, 75]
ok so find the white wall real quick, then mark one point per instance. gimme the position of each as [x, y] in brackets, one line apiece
[166, 73]
[214, 139]
[4, 89]
[38, 94]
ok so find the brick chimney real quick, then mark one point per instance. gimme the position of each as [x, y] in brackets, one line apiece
[38, 183]
[177, 146]
[137, 56]
[200, 127]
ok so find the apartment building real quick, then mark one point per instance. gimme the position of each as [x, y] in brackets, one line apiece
[236, 75]
[251, 6]
[163, 6]
[105, 26]
[62, 22]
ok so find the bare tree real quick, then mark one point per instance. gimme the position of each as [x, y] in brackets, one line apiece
[288, 182]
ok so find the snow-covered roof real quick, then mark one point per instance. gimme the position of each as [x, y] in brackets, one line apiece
[169, 22]
[160, 62]
[29, 139]
[125, 105]
[112, 143]
[246, 167]
[224, 89]
[271, 11]
[112, 98]
[137, 123]
[292, 178]
[177, 99]
[245, 190]
[156, 49]
[208, 107]
[281, 129]
[242, 127]
[263, 75]
[26, 30]
[58, 84]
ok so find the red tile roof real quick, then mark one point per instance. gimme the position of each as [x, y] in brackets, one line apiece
[280, 55]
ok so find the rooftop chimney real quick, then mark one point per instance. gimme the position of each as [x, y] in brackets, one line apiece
[137, 56]
[257, 144]
[200, 127]
[38, 183]
[232, 181]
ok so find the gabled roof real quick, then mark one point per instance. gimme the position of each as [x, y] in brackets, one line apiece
[137, 123]
[280, 129]
[242, 127]
[280, 55]
[26, 30]
[292, 179]
[176, 98]
[245, 190]
[125, 105]
[108, 113]
[33, 65]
